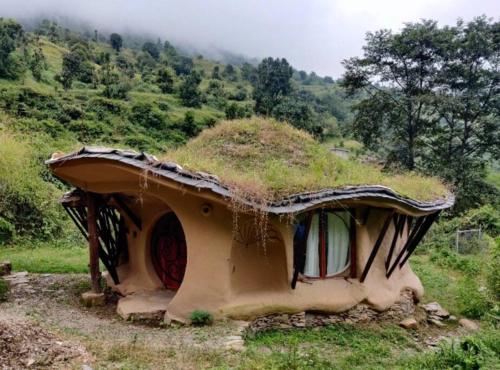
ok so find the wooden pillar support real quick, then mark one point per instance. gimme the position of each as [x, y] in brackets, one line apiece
[93, 232]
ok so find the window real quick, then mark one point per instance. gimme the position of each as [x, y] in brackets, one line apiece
[327, 250]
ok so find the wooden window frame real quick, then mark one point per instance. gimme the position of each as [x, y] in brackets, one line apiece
[350, 271]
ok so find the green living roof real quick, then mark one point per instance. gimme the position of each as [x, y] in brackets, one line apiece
[268, 160]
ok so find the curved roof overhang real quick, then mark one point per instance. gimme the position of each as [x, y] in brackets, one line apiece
[362, 194]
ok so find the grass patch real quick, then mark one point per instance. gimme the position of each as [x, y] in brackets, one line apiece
[45, 258]
[4, 290]
[265, 160]
[336, 346]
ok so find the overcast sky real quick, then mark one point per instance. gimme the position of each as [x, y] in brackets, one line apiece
[312, 34]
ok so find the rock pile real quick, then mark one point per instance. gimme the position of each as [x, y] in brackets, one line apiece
[437, 314]
[361, 313]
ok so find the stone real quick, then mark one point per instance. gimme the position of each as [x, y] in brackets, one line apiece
[409, 323]
[452, 318]
[438, 323]
[5, 268]
[91, 299]
[241, 326]
[233, 337]
[435, 308]
[468, 324]
[235, 345]
[147, 305]
[17, 278]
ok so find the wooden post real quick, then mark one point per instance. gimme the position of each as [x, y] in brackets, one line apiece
[95, 274]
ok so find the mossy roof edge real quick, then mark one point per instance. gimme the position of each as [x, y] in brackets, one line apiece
[290, 204]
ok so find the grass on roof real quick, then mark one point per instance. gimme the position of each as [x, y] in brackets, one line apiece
[265, 160]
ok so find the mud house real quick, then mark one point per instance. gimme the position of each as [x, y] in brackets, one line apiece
[260, 218]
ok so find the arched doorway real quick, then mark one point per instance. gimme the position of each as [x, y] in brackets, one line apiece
[168, 251]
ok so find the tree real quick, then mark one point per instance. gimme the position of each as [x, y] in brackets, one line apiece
[189, 91]
[216, 73]
[152, 49]
[70, 68]
[398, 73]
[433, 94]
[114, 86]
[116, 41]
[229, 72]
[249, 73]
[189, 126]
[11, 33]
[467, 104]
[273, 83]
[182, 65]
[37, 62]
[165, 80]
[298, 113]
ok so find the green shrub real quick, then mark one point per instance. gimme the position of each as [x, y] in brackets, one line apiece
[468, 354]
[4, 290]
[27, 202]
[472, 300]
[451, 259]
[6, 231]
[493, 271]
[200, 318]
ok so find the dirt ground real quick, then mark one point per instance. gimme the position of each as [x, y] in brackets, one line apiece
[43, 325]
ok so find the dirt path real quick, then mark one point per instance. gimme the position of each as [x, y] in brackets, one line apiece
[50, 302]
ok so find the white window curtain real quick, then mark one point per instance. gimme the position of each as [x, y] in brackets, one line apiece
[311, 267]
[337, 247]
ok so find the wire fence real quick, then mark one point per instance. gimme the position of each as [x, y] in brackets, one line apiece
[469, 241]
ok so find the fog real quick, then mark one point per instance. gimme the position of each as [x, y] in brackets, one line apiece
[314, 35]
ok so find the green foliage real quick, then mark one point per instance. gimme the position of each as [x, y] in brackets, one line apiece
[216, 73]
[189, 126]
[27, 201]
[182, 65]
[200, 318]
[492, 271]
[10, 34]
[7, 231]
[273, 83]
[449, 258]
[147, 115]
[4, 290]
[116, 41]
[37, 62]
[472, 300]
[165, 80]
[469, 353]
[152, 49]
[443, 234]
[70, 69]
[432, 94]
[189, 92]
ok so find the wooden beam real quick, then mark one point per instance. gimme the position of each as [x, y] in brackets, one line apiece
[122, 207]
[352, 241]
[410, 242]
[418, 237]
[399, 221]
[377, 245]
[95, 274]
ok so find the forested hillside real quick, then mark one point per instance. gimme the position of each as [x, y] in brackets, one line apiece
[61, 89]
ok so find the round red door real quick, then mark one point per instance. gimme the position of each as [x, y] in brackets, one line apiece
[168, 251]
